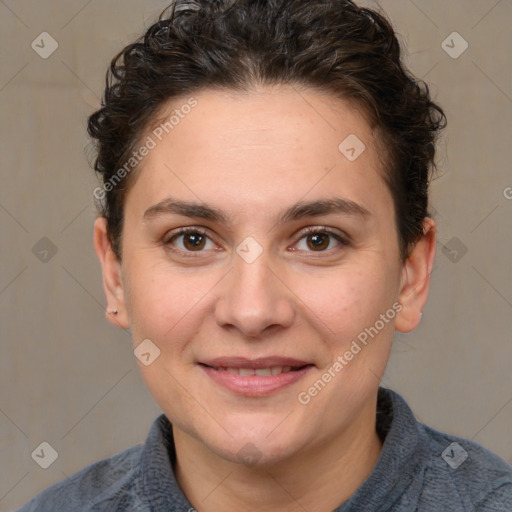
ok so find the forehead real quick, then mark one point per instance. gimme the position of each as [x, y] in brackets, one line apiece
[261, 148]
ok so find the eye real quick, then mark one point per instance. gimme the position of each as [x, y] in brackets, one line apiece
[190, 240]
[320, 240]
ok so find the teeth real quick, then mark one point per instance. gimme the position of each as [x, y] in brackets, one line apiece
[262, 372]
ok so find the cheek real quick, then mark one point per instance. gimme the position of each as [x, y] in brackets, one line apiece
[163, 301]
[347, 300]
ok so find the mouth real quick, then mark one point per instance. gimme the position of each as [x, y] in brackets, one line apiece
[261, 372]
[255, 377]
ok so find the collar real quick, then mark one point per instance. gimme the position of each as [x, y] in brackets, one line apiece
[395, 472]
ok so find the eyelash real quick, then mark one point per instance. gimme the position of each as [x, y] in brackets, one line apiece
[324, 231]
[345, 242]
[185, 231]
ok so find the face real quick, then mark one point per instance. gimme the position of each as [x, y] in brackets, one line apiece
[256, 256]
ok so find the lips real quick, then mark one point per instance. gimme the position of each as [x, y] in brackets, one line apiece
[254, 364]
[255, 377]
[262, 372]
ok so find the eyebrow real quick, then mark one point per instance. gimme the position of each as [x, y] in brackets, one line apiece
[297, 211]
[324, 207]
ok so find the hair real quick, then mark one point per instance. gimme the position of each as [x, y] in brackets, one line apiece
[332, 46]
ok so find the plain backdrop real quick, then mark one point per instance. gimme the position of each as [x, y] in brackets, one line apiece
[70, 379]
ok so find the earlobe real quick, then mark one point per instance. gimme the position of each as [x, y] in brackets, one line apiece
[415, 281]
[112, 276]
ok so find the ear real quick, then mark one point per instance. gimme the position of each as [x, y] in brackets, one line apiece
[415, 282]
[112, 276]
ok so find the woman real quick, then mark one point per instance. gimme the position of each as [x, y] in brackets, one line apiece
[263, 231]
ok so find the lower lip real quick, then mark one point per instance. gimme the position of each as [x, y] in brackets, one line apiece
[255, 385]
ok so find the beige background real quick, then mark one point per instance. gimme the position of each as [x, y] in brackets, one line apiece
[69, 378]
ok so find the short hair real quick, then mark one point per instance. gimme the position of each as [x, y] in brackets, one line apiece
[333, 46]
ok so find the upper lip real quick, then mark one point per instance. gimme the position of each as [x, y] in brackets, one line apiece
[263, 362]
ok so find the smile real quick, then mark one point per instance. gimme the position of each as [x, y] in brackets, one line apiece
[255, 378]
[262, 372]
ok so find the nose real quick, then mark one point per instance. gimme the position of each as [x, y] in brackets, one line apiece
[253, 299]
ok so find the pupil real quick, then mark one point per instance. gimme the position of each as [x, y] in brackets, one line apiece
[194, 241]
[319, 241]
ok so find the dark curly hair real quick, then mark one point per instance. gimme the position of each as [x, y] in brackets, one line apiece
[330, 45]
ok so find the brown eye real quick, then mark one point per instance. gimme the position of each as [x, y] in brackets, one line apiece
[194, 241]
[318, 241]
[191, 241]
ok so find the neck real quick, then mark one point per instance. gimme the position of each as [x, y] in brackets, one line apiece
[317, 479]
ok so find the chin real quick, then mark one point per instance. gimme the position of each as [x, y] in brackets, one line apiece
[253, 446]
[256, 453]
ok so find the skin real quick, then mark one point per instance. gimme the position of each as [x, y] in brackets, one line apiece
[253, 155]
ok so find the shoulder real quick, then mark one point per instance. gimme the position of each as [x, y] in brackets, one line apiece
[109, 484]
[460, 470]
[438, 471]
